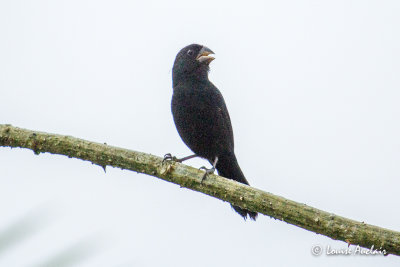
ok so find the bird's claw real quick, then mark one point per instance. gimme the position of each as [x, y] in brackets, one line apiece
[169, 157]
[207, 172]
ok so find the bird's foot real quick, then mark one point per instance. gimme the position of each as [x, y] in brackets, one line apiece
[207, 172]
[169, 157]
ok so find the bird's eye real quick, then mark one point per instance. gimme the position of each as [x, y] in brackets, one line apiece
[190, 52]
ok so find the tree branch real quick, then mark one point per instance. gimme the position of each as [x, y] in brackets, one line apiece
[301, 215]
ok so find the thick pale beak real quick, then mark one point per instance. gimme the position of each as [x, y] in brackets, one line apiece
[204, 55]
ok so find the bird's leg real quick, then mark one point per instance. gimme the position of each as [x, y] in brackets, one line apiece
[209, 171]
[186, 158]
[169, 157]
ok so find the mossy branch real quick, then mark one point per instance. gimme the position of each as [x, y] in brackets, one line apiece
[301, 215]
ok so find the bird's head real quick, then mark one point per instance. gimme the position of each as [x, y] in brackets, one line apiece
[192, 63]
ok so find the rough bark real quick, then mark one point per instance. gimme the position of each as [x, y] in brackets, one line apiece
[301, 215]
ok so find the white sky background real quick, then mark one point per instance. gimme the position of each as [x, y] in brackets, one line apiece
[313, 92]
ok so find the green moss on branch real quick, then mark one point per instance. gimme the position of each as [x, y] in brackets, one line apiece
[301, 215]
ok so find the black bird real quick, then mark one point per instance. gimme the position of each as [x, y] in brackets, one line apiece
[201, 116]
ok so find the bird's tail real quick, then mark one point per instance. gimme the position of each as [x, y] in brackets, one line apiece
[228, 167]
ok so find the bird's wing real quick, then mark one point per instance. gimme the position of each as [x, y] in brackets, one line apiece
[223, 117]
